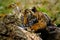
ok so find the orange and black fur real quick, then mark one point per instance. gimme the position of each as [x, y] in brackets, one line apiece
[45, 22]
[39, 22]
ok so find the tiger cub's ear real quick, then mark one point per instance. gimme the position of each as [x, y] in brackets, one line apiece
[34, 9]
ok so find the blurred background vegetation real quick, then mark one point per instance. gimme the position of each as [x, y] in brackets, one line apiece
[50, 7]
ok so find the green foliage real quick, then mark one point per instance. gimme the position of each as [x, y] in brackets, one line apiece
[42, 9]
[58, 18]
[5, 10]
[4, 4]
